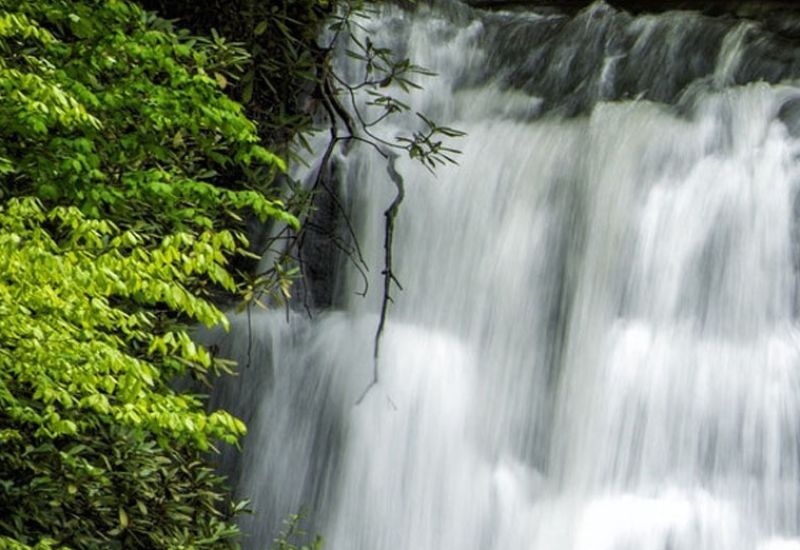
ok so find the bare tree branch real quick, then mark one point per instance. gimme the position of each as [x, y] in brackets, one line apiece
[388, 275]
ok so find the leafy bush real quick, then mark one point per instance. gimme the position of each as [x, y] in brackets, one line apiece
[105, 108]
[124, 173]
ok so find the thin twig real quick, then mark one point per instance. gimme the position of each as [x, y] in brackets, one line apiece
[249, 334]
[388, 275]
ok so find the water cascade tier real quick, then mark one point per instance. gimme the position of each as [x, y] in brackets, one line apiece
[597, 345]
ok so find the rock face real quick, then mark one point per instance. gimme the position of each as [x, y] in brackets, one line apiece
[320, 248]
[638, 6]
[771, 12]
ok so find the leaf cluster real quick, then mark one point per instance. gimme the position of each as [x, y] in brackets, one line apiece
[293, 536]
[285, 63]
[104, 107]
[81, 343]
[108, 489]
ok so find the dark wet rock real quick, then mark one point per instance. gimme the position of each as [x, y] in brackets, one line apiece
[790, 116]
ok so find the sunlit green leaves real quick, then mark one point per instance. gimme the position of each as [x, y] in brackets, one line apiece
[75, 304]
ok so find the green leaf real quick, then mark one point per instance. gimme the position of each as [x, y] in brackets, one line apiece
[261, 28]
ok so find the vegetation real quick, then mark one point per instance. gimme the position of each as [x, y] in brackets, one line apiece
[293, 536]
[285, 62]
[124, 174]
[128, 170]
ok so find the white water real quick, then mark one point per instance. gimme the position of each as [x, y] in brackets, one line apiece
[597, 345]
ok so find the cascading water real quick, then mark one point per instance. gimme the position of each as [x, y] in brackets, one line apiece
[597, 346]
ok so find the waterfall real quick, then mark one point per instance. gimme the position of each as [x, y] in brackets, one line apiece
[597, 344]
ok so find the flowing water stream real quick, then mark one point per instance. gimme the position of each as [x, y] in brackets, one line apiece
[597, 347]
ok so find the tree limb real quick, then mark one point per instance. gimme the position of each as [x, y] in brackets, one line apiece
[388, 275]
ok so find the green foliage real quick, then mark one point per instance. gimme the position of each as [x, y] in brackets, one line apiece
[105, 110]
[285, 64]
[108, 489]
[293, 536]
[125, 173]
[80, 345]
